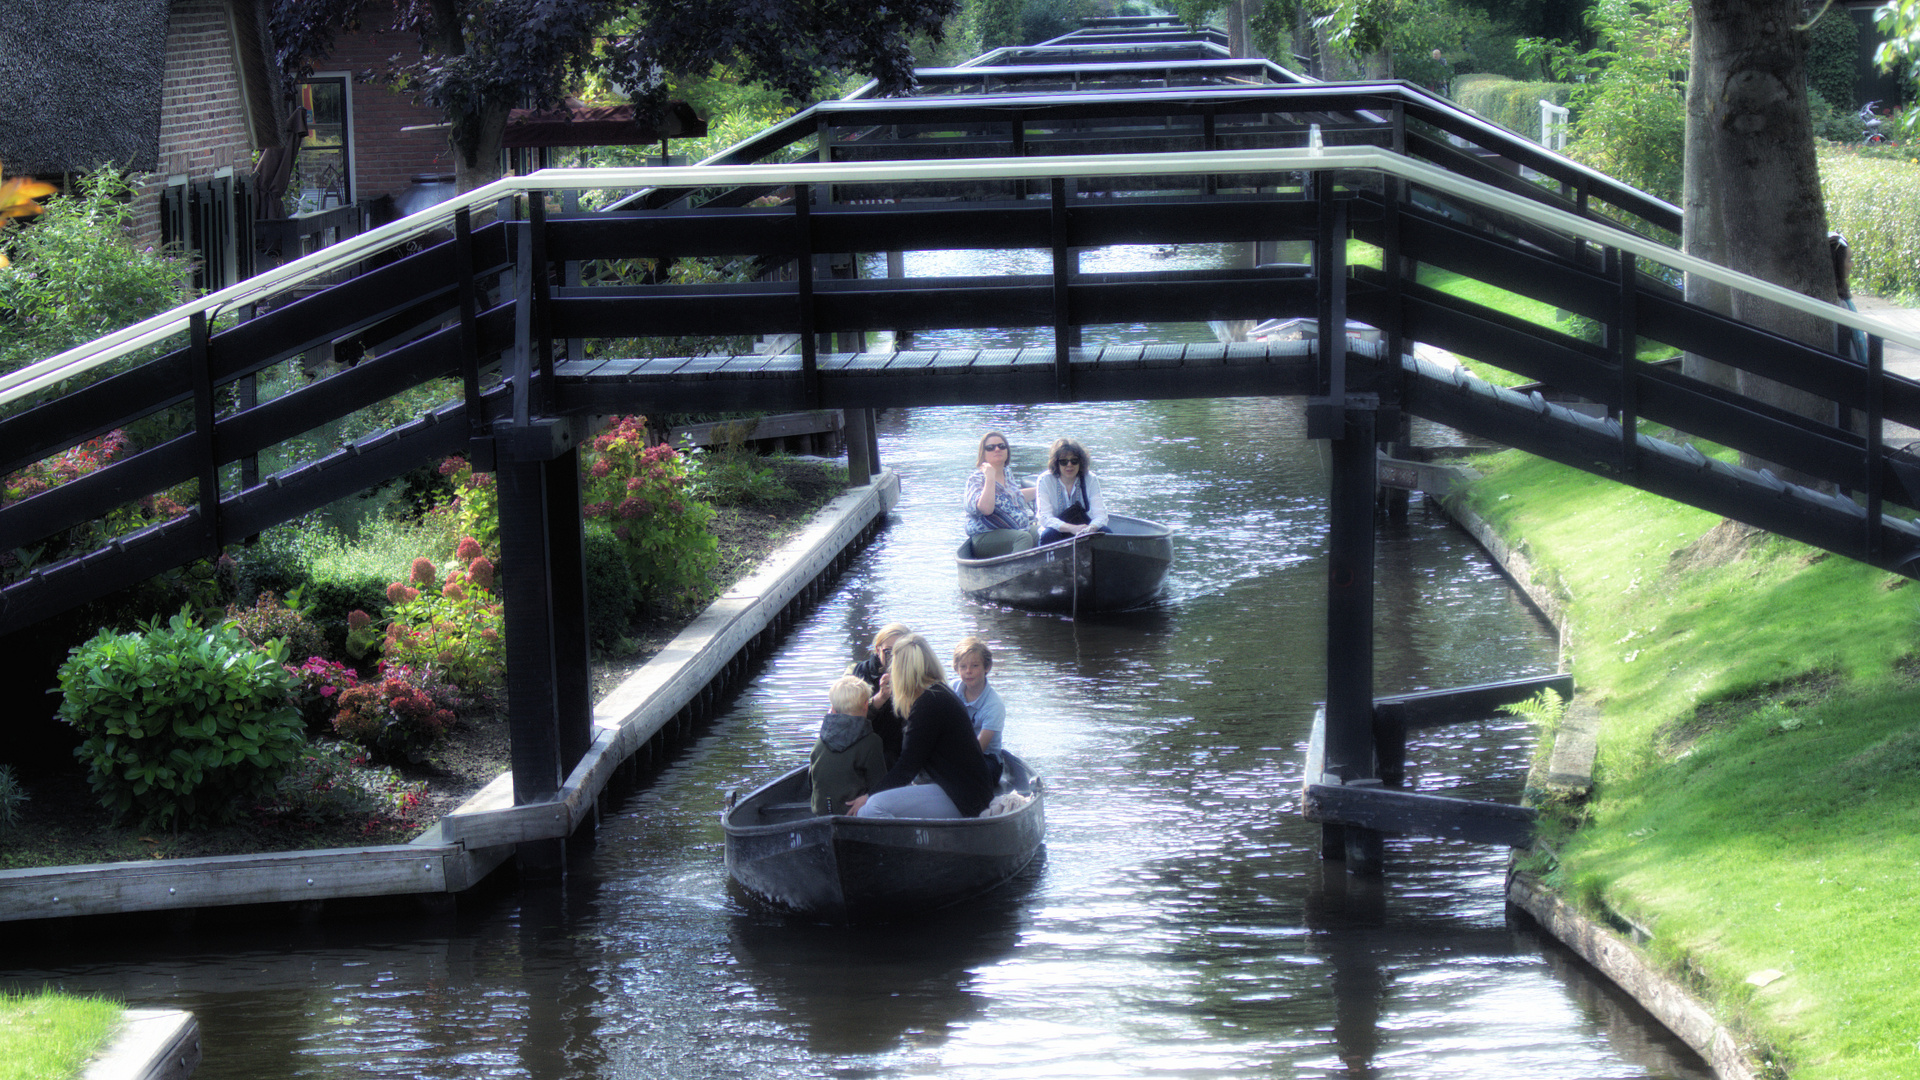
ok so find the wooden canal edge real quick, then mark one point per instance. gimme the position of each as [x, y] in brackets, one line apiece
[1568, 770]
[657, 703]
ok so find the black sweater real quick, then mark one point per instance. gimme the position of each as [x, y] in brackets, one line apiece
[940, 740]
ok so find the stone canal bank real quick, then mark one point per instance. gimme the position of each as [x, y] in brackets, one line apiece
[1567, 772]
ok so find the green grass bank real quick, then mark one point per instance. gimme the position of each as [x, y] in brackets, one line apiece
[50, 1035]
[1756, 809]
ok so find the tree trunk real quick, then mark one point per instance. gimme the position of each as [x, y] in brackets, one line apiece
[1701, 231]
[1239, 38]
[1751, 63]
[476, 158]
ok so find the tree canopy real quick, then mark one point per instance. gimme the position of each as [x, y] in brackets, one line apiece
[480, 58]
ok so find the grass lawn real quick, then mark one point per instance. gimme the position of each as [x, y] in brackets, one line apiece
[1757, 805]
[50, 1035]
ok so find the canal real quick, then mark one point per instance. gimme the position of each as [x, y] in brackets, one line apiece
[1177, 925]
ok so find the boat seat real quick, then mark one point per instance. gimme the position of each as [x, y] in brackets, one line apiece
[786, 811]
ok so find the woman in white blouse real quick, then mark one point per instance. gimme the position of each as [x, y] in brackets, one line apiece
[1068, 494]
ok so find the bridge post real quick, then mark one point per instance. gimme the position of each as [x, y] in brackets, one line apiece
[859, 466]
[542, 562]
[1348, 421]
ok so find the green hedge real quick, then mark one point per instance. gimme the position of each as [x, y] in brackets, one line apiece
[1509, 102]
[1875, 201]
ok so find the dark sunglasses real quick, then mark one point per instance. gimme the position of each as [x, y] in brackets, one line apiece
[994, 446]
[1067, 461]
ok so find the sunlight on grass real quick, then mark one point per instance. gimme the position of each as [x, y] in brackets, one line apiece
[52, 1034]
[1759, 771]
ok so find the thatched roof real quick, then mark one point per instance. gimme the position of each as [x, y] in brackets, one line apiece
[80, 85]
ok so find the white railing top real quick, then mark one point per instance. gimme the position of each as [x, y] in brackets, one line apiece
[313, 267]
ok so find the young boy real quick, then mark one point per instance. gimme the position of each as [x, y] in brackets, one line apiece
[847, 759]
[971, 662]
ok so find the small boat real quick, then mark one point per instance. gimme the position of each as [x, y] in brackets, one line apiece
[853, 869]
[1108, 571]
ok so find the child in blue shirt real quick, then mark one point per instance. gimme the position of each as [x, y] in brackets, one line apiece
[971, 662]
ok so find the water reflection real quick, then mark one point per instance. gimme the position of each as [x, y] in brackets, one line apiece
[1180, 926]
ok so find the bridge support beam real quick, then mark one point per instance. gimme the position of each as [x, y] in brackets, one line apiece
[542, 554]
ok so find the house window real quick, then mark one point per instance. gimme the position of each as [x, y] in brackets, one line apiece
[323, 172]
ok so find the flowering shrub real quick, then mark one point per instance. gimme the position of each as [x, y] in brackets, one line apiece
[452, 625]
[330, 784]
[400, 716]
[476, 501]
[320, 683]
[270, 618]
[641, 492]
[63, 467]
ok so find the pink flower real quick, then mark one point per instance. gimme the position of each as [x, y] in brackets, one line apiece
[423, 571]
[480, 572]
[600, 468]
[468, 550]
[397, 593]
[452, 591]
[357, 619]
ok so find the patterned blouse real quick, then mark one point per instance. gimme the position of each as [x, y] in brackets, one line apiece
[1006, 500]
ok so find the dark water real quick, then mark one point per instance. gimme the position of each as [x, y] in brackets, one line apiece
[1179, 924]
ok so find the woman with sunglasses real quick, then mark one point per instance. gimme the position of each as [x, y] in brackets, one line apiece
[1069, 494]
[998, 520]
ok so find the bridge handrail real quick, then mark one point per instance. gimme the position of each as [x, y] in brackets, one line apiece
[1308, 159]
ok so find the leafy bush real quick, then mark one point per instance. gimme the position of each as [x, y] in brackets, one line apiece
[182, 724]
[348, 576]
[1509, 102]
[328, 785]
[1875, 200]
[453, 626]
[11, 796]
[739, 478]
[271, 619]
[1831, 124]
[319, 683]
[76, 276]
[611, 600]
[1833, 58]
[476, 502]
[398, 717]
[274, 563]
[642, 493]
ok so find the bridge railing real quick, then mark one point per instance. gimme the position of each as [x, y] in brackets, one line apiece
[466, 314]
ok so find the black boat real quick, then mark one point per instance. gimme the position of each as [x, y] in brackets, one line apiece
[855, 869]
[1108, 571]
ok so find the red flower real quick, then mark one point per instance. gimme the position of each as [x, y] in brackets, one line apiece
[356, 619]
[400, 593]
[423, 571]
[452, 591]
[480, 572]
[468, 550]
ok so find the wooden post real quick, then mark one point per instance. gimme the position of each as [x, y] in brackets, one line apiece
[1350, 746]
[859, 466]
[567, 580]
[532, 678]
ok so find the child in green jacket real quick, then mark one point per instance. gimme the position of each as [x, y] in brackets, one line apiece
[847, 758]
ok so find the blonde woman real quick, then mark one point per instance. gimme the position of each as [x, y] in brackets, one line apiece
[939, 743]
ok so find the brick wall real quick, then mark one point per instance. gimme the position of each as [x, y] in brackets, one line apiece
[203, 122]
[386, 158]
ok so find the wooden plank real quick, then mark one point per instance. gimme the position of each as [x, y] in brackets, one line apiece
[1436, 708]
[284, 876]
[810, 422]
[1410, 813]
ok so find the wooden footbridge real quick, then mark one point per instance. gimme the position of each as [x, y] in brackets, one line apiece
[1118, 135]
